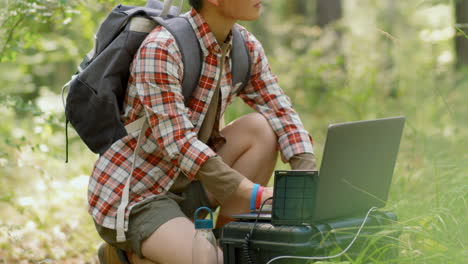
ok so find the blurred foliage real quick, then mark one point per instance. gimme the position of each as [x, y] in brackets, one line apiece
[383, 58]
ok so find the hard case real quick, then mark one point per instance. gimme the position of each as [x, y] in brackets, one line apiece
[377, 243]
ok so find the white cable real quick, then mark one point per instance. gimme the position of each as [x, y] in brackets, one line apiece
[329, 257]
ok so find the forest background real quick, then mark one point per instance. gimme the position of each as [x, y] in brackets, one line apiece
[338, 60]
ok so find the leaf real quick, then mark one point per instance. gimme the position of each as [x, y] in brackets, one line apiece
[462, 32]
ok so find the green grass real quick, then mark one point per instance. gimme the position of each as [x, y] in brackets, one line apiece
[43, 200]
[43, 204]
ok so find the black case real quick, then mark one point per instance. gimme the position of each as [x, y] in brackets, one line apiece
[319, 239]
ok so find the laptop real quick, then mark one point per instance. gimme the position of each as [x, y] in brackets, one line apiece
[356, 170]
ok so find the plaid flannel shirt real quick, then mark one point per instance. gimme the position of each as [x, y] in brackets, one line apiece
[170, 144]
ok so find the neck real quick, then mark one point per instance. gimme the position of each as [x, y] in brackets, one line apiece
[219, 24]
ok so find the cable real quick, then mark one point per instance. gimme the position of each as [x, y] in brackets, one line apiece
[248, 236]
[329, 257]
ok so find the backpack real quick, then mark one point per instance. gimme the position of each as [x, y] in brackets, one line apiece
[97, 91]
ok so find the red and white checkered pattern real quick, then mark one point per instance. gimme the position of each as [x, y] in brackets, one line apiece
[170, 145]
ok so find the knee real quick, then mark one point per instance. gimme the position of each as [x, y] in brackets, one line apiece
[258, 127]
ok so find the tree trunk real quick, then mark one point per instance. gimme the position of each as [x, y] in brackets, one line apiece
[295, 7]
[301, 7]
[328, 11]
[461, 41]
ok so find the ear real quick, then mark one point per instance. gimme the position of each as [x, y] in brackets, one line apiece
[213, 2]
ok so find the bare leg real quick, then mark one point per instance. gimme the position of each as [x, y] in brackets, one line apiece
[170, 244]
[251, 149]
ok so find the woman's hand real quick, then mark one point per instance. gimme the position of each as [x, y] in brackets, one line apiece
[267, 193]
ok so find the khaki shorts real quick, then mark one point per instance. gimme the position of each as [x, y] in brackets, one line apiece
[149, 215]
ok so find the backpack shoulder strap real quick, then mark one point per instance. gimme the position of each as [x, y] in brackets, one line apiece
[240, 59]
[186, 40]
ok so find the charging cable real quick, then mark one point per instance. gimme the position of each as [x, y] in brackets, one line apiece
[248, 236]
[328, 257]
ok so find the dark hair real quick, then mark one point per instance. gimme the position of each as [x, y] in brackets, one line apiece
[196, 4]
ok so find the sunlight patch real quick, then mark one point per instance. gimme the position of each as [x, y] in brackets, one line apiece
[26, 201]
[80, 182]
[437, 35]
[49, 102]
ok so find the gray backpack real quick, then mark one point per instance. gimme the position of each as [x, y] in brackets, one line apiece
[96, 92]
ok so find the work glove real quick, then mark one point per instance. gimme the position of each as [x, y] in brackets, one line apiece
[303, 161]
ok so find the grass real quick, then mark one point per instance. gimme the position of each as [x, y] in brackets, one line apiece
[43, 203]
[43, 200]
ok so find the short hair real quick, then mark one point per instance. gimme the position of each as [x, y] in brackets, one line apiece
[196, 4]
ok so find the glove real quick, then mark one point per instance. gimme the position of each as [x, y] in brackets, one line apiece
[303, 161]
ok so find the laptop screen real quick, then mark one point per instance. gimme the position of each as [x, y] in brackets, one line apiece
[357, 167]
[355, 174]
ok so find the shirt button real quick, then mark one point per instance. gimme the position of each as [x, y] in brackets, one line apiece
[160, 190]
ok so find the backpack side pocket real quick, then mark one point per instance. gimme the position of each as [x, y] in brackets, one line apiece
[93, 116]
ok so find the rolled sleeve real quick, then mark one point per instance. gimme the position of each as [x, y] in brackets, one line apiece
[158, 73]
[294, 143]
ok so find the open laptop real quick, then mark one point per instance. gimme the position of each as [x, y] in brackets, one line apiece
[356, 170]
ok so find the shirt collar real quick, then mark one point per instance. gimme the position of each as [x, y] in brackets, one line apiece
[208, 42]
